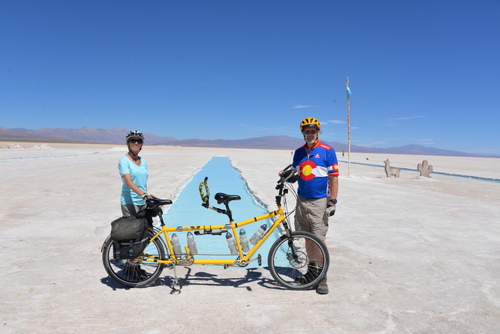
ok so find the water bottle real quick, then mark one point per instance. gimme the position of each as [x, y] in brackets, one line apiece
[191, 244]
[257, 235]
[244, 240]
[231, 244]
[176, 244]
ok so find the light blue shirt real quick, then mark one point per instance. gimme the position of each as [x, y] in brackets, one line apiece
[139, 175]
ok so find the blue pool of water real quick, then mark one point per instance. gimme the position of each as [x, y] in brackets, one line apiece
[187, 210]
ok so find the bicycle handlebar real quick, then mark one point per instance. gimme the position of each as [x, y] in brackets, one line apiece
[204, 197]
[288, 175]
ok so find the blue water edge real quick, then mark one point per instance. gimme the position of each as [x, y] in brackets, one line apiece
[188, 211]
[478, 178]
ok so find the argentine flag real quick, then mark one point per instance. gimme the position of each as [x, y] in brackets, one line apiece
[348, 91]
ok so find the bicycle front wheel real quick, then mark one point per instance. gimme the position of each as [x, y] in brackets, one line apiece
[300, 261]
[134, 273]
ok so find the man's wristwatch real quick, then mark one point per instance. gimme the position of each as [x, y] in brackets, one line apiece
[333, 200]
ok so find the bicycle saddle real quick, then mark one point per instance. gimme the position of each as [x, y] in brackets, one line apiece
[153, 203]
[222, 198]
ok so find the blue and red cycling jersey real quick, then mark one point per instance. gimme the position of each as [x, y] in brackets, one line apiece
[314, 169]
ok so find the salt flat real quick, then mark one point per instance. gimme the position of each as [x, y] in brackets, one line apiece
[408, 254]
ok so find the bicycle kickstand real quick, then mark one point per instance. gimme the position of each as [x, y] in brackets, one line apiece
[176, 284]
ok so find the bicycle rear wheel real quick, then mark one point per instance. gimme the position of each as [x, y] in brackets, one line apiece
[134, 273]
[298, 262]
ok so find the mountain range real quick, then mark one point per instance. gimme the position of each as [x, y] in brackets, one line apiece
[116, 135]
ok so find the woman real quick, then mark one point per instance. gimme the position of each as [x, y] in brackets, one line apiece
[134, 173]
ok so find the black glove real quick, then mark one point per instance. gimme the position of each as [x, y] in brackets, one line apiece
[331, 207]
[290, 176]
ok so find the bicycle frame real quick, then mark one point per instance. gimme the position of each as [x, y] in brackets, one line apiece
[297, 259]
[242, 258]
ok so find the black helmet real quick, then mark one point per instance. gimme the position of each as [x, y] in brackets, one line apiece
[134, 134]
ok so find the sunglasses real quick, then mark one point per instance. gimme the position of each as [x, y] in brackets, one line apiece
[133, 141]
[312, 132]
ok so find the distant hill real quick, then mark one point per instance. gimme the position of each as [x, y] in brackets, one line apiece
[116, 135]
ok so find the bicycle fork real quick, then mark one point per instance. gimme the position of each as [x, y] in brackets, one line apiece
[291, 246]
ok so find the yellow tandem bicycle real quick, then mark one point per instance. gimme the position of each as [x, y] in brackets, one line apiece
[297, 260]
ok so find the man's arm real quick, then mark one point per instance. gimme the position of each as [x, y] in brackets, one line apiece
[334, 186]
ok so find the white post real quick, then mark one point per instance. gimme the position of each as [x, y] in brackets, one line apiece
[348, 95]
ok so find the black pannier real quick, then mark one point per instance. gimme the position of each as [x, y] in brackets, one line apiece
[130, 237]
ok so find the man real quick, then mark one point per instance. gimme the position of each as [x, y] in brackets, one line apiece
[317, 166]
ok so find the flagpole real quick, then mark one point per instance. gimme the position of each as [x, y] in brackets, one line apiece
[348, 96]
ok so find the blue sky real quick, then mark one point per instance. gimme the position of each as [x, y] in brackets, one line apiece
[421, 72]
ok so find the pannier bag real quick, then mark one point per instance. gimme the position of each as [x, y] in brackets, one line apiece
[130, 237]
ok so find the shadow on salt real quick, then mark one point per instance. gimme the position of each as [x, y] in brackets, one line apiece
[188, 211]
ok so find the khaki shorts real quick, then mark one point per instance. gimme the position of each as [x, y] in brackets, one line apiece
[130, 210]
[310, 216]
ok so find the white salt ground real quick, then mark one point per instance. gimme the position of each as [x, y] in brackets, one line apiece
[408, 255]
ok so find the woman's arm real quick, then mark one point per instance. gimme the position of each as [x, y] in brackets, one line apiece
[128, 181]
